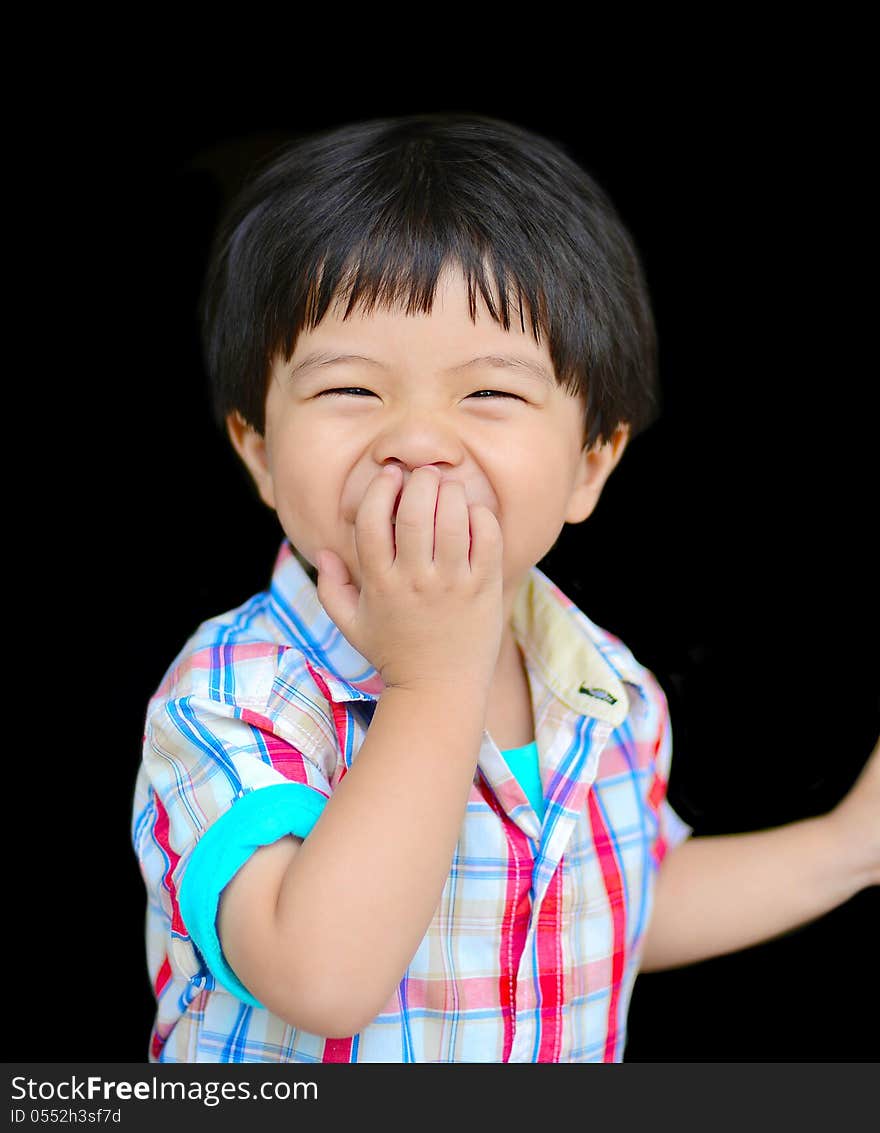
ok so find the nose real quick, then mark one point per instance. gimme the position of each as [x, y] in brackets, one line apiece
[415, 440]
[415, 434]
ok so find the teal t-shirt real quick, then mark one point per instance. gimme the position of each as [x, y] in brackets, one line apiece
[523, 762]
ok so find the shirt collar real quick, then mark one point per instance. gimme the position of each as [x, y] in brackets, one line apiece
[584, 666]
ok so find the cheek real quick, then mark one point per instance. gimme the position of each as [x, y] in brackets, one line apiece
[298, 496]
[536, 498]
[536, 479]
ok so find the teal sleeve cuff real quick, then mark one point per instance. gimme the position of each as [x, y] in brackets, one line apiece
[257, 819]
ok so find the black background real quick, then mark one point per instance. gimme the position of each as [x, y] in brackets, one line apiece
[733, 549]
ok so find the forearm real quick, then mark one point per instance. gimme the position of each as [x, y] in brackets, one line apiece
[360, 893]
[719, 894]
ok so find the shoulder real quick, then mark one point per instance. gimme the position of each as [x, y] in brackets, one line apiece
[229, 656]
[237, 666]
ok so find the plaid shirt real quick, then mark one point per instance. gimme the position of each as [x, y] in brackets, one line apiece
[535, 944]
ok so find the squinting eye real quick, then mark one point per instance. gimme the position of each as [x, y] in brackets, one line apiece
[351, 390]
[340, 392]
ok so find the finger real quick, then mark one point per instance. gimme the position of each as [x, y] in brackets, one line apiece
[336, 591]
[414, 528]
[373, 532]
[452, 527]
[487, 545]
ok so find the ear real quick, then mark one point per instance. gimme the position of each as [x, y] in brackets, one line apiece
[597, 464]
[251, 447]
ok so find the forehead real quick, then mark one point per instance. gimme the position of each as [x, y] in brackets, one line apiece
[443, 332]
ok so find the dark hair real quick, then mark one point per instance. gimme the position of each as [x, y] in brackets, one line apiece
[375, 210]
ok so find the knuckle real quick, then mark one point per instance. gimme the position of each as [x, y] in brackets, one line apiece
[366, 530]
[421, 583]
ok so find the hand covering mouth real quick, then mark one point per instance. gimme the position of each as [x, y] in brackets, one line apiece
[394, 510]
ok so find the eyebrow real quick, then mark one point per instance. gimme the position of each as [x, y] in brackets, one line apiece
[528, 368]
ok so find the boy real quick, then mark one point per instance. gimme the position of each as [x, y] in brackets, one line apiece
[408, 805]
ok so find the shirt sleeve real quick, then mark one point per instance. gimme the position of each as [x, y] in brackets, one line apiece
[223, 781]
[672, 830]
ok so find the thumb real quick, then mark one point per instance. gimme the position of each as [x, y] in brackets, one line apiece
[336, 592]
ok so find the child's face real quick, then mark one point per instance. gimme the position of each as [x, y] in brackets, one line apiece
[413, 404]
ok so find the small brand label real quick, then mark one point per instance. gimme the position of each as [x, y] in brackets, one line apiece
[599, 694]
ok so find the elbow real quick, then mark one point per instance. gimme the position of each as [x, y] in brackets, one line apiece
[329, 1009]
[330, 1019]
